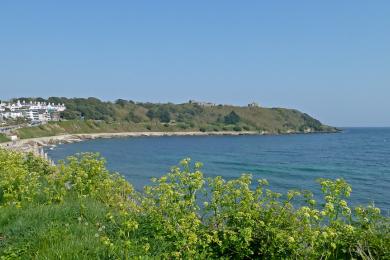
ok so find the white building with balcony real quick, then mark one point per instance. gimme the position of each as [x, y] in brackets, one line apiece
[33, 111]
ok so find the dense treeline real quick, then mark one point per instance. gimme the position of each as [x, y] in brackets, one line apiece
[188, 116]
[79, 210]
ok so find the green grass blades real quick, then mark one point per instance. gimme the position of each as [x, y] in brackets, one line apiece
[66, 231]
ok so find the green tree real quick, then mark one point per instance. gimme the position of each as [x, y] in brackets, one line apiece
[132, 117]
[159, 112]
[70, 114]
[121, 102]
[165, 116]
[232, 118]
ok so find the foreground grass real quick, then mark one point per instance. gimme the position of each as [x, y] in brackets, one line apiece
[52, 231]
[79, 210]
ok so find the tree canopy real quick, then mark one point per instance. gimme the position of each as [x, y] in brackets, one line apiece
[232, 118]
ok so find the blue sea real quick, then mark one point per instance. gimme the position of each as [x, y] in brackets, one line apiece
[359, 155]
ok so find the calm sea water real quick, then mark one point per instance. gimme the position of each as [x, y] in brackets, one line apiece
[360, 155]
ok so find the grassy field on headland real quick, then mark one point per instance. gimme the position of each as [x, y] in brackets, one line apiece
[91, 127]
[92, 115]
[80, 210]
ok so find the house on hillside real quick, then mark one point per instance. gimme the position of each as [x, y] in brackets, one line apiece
[202, 104]
[253, 104]
[32, 111]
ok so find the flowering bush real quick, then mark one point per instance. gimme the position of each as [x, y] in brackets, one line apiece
[185, 215]
[20, 178]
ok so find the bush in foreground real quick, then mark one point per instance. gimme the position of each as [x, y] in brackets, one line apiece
[79, 209]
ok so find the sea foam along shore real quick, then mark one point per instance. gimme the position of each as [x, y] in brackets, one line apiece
[32, 143]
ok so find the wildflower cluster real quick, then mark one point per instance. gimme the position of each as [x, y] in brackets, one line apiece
[20, 178]
[185, 215]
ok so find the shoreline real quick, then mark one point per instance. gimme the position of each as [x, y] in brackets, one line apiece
[75, 138]
[31, 144]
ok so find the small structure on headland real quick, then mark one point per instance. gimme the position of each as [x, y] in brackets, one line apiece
[253, 104]
[202, 104]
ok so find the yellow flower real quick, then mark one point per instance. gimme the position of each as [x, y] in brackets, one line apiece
[343, 203]
[146, 247]
[349, 228]
[329, 207]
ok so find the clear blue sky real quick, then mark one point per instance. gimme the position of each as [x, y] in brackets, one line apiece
[330, 59]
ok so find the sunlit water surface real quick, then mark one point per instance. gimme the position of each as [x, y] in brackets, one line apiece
[360, 155]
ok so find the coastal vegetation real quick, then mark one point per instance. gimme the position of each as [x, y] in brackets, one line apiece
[91, 115]
[78, 209]
[3, 138]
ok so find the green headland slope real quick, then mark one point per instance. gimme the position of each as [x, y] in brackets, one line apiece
[92, 115]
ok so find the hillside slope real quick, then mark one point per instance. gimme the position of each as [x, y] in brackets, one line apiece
[95, 116]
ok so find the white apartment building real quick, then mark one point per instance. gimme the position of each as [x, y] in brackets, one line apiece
[13, 114]
[33, 111]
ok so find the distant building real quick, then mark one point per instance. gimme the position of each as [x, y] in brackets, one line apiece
[55, 116]
[203, 104]
[33, 111]
[11, 115]
[253, 104]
